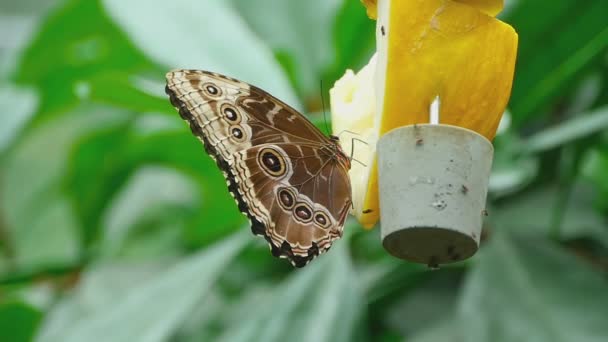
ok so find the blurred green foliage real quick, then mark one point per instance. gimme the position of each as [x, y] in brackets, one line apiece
[115, 226]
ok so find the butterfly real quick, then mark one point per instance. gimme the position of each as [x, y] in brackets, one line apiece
[285, 175]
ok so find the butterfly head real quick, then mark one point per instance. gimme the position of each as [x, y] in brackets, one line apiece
[339, 152]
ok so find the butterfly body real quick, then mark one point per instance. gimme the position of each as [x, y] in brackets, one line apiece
[288, 178]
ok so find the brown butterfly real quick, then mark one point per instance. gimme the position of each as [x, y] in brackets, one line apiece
[285, 175]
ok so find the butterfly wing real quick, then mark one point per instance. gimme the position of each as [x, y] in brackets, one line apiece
[286, 176]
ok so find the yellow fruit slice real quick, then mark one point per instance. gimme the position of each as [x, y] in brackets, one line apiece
[489, 7]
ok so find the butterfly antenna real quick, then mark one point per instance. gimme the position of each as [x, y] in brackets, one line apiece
[360, 140]
[347, 131]
[360, 162]
[352, 149]
[323, 106]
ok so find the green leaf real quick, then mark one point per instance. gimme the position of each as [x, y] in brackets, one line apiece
[321, 302]
[18, 321]
[150, 139]
[142, 199]
[27, 7]
[19, 20]
[581, 126]
[149, 310]
[445, 330]
[422, 306]
[134, 92]
[17, 106]
[514, 294]
[593, 169]
[512, 170]
[95, 174]
[42, 224]
[342, 37]
[77, 42]
[287, 28]
[354, 39]
[205, 35]
[218, 214]
[534, 212]
[552, 53]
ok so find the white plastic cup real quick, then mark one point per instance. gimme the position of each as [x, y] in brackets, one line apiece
[433, 182]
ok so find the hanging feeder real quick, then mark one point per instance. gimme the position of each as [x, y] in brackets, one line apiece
[433, 181]
[441, 80]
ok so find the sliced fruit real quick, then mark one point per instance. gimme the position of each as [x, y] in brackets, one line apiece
[455, 51]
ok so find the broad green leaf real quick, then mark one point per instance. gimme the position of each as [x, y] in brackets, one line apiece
[18, 22]
[130, 91]
[201, 324]
[4, 262]
[535, 212]
[525, 288]
[150, 139]
[594, 166]
[321, 302]
[97, 290]
[558, 41]
[42, 224]
[206, 35]
[218, 215]
[149, 190]
[586, 95]
[22, 307]
[18, 106]
[380, 275]
[514, 294]
[287, 26]
[423, 306]
[95, 174]
[14, 34]
[512, 170]
[27, 7]
[581, 126]
[354, 36]
[445, 330]
[342, 37]
[75, 43]
[18, 321]
[149, 310]
[512, 176]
